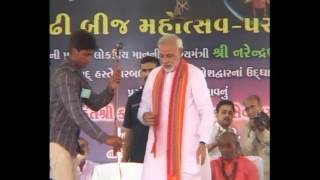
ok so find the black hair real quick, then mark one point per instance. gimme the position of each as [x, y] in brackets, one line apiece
[150, 59]
[224, 102]
[82, 40]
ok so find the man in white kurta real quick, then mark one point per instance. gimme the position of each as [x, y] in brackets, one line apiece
[197, 124]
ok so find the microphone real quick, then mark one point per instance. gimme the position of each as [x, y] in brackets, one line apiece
[116, 49]
[119, 46]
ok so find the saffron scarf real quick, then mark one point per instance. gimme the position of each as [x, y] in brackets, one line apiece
[175, 116]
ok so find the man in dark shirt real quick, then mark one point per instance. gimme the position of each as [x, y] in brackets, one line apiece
[68, 91]
[136, 134]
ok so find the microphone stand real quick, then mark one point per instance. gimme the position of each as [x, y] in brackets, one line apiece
[117, 127]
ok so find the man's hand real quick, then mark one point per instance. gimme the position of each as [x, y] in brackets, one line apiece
[115, 78]
[149, 118]
[114, 141]
[201, 153]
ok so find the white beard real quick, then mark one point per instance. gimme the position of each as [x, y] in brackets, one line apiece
[171, 69]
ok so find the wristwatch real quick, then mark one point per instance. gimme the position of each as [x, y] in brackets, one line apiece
[201, 142]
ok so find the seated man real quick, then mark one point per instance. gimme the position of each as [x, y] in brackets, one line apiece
[232, 165]
[85, 167]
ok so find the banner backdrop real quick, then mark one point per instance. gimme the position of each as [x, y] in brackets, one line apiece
[227, 39]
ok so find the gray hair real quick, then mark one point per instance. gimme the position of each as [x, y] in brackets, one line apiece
[170, 37]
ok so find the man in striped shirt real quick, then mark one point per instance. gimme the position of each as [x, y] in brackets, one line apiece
[68, 91]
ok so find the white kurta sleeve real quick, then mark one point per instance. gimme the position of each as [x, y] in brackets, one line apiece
[146, 99]
[201, 95]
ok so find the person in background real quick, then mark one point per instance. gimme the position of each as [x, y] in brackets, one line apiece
[255, 139]
[224, 113]
[136, 134]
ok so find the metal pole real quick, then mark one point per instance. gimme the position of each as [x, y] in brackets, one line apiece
[117, 127]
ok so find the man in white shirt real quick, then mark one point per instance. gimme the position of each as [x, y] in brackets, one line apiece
[224, 112]
[177, 107]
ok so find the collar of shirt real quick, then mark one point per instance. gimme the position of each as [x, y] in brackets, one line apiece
[222, 130]
[72, 65]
